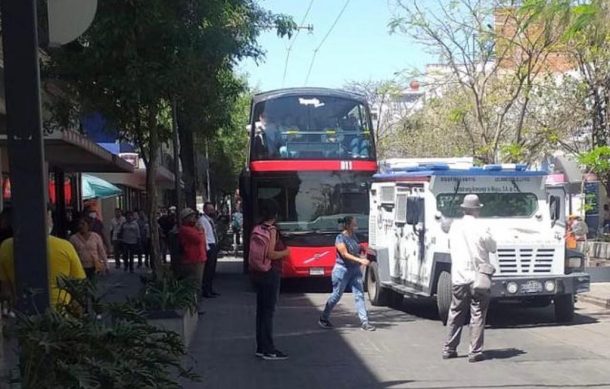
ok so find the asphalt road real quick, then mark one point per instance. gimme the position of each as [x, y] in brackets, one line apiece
[525, 349]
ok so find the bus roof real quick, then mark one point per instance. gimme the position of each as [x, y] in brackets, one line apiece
[447, 171]
[287, 92]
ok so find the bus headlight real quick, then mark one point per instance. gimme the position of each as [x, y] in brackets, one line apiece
[512, 287]
[549, 286]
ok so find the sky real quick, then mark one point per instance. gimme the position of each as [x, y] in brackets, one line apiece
[359, 48]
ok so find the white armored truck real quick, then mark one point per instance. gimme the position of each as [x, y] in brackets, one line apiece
[411, 210]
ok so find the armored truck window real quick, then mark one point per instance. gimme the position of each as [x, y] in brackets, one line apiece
[494, 204]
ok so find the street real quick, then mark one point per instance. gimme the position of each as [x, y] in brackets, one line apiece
[525, 349]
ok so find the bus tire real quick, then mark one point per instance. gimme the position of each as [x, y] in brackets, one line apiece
[378, 295]
[443, 296]
[564, 308]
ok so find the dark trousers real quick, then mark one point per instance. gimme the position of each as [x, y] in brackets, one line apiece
[210, 270]
[144, 252]
[117, 248]
[267, 293]
[90, 273]
[129, 251]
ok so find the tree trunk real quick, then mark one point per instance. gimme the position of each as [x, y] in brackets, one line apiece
[151, 188]
[187, 157]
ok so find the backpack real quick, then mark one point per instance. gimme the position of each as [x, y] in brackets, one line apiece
[260, 240]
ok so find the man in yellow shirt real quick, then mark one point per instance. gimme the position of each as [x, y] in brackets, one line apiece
[62, 259]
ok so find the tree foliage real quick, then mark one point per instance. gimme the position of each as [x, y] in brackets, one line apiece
[139, 56]
[492, 58]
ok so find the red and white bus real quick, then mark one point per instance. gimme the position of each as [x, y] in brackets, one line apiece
[312, 151]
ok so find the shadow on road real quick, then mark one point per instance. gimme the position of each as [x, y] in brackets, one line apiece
[505, 353]
[223, 348]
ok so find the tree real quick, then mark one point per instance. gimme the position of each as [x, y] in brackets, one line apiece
[494, 68]
[138, 56]
[586, 36]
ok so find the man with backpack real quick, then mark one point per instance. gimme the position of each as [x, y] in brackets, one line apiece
[265, 261]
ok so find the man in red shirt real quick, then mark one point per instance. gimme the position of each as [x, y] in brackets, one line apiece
[193, 249]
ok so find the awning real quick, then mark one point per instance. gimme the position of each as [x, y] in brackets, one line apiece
[94, 187]
[572, 173]
[73, 152]
[137, 179]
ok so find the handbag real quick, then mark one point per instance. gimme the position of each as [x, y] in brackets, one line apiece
[483, 273]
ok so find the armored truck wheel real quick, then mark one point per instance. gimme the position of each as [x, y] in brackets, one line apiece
[443, 296]
[564, 308]
[378, 295]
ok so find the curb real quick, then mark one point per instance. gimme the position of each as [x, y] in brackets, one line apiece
[597, 301]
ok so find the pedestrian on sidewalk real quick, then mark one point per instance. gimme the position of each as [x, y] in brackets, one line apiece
[207, 222]
[115, 226]
[470, 244]
[130, 237]
[193, 249]
[347, 273]
[145, 240]
[265, 260]
[62, 261]
[90, 249]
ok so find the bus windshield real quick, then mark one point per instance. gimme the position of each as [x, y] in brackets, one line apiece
[504, 205]
[311, 127]
[315, 201]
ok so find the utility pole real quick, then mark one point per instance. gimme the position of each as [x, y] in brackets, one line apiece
[26, 153]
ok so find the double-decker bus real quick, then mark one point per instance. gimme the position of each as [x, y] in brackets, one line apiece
[312, 151]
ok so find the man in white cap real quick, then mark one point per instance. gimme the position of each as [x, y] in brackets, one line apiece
[470, 244]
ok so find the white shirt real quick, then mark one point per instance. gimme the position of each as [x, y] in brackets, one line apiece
[469, 244]
[206, 223]
[116, 226]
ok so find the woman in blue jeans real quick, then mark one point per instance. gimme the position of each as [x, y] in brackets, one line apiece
[347, 273]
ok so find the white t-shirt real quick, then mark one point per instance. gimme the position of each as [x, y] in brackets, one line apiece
[470, 245]
[206, 223]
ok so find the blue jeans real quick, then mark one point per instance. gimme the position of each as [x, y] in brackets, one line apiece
[342, 278]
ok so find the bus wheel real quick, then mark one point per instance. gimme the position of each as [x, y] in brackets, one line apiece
[443, 296]
[378, 295]
[564, 308]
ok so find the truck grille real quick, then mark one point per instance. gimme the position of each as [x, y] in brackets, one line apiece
[524, 260]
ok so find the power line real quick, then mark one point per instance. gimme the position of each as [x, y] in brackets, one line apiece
[330, 30]
[289, 49]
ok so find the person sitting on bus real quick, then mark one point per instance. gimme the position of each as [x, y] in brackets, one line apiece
[272, 135]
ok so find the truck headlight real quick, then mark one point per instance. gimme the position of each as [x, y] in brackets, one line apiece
[574, 262]
[512, 287]
[549, 286]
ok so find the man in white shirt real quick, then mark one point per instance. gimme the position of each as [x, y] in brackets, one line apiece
[470, 245]
[209, 226]
[116, 223]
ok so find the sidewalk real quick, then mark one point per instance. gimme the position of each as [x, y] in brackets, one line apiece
[599, 295]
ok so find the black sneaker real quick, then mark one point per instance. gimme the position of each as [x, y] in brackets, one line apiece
[368, 327]
[275, 356]
[259, 354]
[473, 358]
[326, 324]
[450, 354]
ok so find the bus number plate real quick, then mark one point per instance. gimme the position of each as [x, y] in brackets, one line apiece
[316, 271]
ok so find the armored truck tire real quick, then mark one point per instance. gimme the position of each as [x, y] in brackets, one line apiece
[443, 296]
[378, 295]
[564, 308]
